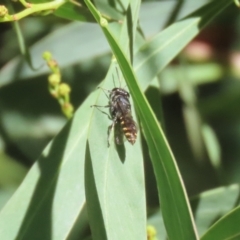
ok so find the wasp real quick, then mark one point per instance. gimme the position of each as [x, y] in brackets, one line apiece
[121, 115]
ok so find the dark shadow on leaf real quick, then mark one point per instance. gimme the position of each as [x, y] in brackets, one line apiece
[121, 152]
[175, 12]
[38, 218]
[119, 142]
[81, 227]
[93, 205]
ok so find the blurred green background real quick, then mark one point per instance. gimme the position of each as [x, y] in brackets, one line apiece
[199, 93]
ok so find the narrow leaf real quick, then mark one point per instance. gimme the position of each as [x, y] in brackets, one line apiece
[52, 196]
[159, 51]
[114, 176]
[225, 228]
[168, 178]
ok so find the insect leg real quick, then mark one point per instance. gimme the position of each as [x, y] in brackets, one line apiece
[105, 91]
[97, 106]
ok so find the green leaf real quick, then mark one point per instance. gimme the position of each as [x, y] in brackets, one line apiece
[177, 215]
[154, 56]
[49, 204]
[211, 205]
[59, 171]
[198, 74]
[114, 176]
[225, 228]
[72, 12]
[51, 197]
[155, 14]
[114, 180]
[11, 172]
[207, 207]
[75, 34]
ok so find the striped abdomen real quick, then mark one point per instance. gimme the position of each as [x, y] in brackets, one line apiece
[129, 128]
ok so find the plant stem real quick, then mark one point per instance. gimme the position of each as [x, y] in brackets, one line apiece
[32, 8]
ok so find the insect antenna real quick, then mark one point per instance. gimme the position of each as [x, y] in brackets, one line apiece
[113, 81]
[118, 77]
[105, 91]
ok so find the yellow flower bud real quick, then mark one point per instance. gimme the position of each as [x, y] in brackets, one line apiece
[151, 232]
[3, 11]
[64, 89]
[47, 56]
[54, 79]
[103, 22]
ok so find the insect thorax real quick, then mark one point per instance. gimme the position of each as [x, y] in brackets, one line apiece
[119, 103]
[122, 120]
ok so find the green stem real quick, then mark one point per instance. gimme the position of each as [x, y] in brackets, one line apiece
[33, 8]
[25, 4]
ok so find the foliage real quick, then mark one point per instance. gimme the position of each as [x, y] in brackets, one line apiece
[79, 188]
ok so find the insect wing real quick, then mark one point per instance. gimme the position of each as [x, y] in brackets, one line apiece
[124, 105]
[118, 134]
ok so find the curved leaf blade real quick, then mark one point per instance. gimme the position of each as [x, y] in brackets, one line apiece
[207, 207]
[72, 12]
[114, 179]
[52, 196]
[154, 55]
[114, 182]
[225, 228]
[212, 204]
[168, 177]
[73, 34]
